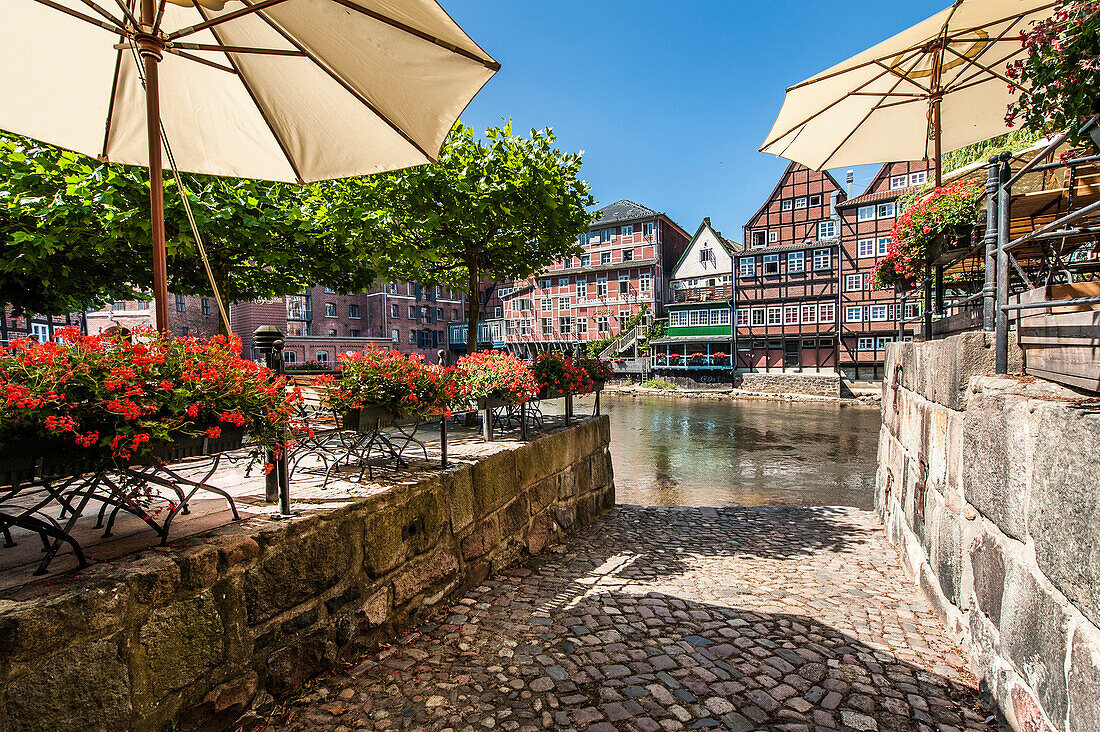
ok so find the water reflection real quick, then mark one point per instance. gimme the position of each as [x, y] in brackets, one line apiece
[690, 452]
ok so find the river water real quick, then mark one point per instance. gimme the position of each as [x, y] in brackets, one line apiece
[702, 452]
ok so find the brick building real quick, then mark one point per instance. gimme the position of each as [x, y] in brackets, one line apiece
[786, 284]
[628, 251]
[39, 327]
[869, 318]
[188, 315]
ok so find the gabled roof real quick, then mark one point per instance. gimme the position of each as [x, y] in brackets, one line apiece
[731, 247]
[623, 211]
[779, 184]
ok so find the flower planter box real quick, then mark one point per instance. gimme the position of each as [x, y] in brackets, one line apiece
[231, 438]
[491, 402]
[371, 419]
[63, 461]
[551, 394]
[948, 246]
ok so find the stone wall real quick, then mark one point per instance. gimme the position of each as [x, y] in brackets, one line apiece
[778, 383]
[199, 634]
[990, 488]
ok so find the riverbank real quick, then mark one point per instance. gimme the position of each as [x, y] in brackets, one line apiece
[868, 400]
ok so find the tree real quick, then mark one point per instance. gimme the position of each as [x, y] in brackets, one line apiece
[75, 233]
[499, 209]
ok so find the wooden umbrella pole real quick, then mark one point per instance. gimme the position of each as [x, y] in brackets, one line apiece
[151, 49]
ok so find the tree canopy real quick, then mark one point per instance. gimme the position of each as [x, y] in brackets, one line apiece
[501, 209]
[75, 234]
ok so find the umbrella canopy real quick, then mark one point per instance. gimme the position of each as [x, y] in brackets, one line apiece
[885, 104]
[286, 90]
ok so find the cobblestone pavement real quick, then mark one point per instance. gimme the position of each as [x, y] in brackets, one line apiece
[672, 618]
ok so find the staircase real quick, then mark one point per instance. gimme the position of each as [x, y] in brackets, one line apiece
[625, 341]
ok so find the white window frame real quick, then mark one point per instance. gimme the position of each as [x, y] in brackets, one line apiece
[899, 181]
[865, 248]
[853, 282]
[565, 303]
[865, 213]
[918, 178]
[758, 317]
[746, 267]
[809, 313]
[773, 236]
[790, 315]
[742, 317]
[322, 357]
[823, 259]
[796, 262]
[826, 313]
[695, 316]
[800, 202]
[40, 332]
[786, 204]
[775, 315]
[853, 314]
[885, 210]
[645, 283]
[882, 341]
[563, 282]
[395, 335]
[826, 230]
[601, 288]
[879, 313]
[582, 325]
[772, 259]
[547, 326]
[582, 289]
[882, 246]
[865, 343]
[603, 324]
[628, 230]
[815, 199]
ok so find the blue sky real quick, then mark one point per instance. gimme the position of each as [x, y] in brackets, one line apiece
[669, 100]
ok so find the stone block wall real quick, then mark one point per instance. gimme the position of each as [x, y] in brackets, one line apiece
[199, 634]
[990, 488]
[776, 383]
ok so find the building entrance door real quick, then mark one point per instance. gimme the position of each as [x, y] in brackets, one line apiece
[790, 354]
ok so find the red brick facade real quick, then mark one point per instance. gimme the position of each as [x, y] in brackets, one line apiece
[41, 327]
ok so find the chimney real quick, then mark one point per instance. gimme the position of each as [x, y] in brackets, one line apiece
[706, 220]
[849, 181]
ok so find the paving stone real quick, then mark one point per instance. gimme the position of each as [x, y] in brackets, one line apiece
[669, 619]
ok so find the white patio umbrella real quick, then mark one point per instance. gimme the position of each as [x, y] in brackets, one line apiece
[886, 103]
[284, 90]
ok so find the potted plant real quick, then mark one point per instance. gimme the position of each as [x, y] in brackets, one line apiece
[84, 401]
[558, 375]
[1059, 81]
[932, 224]
[598, 370]
[493, 379]
[380, 387]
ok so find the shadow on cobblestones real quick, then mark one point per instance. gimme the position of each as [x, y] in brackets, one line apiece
[669, 619]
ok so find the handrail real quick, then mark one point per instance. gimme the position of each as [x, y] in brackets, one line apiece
[1051, 303]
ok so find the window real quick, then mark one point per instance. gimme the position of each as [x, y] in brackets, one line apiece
[454, 313]
[624, 286]
[582, 326]
[800, 202]
[290, 357]
[758, 316]
[545, 284]
[771, 264]
[796, 262]
[866, 248]
[331, 332]
[742, 317]
[759, 239]
[886, 210]
[607, 235]
[912, 310]
[181, 304]
[722, 315]
[412, 337]
[603, 324]
[773, 236]
[628, 229]
[822, 259]
[353, 311]
[601, 288]
[786, 205]
[815, 200]
[883, 246]
[648, 229]
[706, 256]
[826, 313]
[40, 332]
[826, 230]
[565, 325]
[205, 306]
[628, 255]
[395, 311]
[645, 283]
[586, 260]
[919, 178]
[809, 314]
[564, 303]
[865, 344]
[698, 317]
[775, 316]
[866, 213]
[322, 356]
[582, 290]
[412, 312]
[899, 181]
[790, 314]
[143, 305]
[354, 332]
[438, 314]
[118, 305]
[547, 326]
[881, 341]
[496, 313]
[853, 314]
[878, 312]
[547, 305]
[746, 267]
[525, 327]
[563, 282]
[853, 282]
[605, 258]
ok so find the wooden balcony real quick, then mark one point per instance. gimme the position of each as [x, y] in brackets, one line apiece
[717, 293]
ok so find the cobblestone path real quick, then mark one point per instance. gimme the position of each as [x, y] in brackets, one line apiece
[667, 619]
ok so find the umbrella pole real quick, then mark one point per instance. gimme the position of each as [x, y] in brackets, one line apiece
[937, 153]
[150, 47]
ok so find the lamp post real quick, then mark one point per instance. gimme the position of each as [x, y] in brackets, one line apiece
[268, 340]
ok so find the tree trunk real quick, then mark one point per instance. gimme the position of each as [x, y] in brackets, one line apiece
[473, 307]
